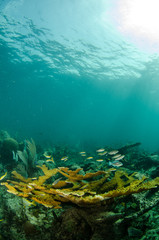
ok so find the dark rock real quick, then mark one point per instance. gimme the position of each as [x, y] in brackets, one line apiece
[72, 226]
[8, 146]
[29, 228]
[86, 224]
[134, 232]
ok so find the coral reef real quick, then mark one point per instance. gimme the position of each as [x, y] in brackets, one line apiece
[76, 188]
[60, 200]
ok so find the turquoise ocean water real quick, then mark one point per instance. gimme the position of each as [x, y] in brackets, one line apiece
[68, 74]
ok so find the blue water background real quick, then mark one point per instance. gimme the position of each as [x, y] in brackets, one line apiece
[67, 75]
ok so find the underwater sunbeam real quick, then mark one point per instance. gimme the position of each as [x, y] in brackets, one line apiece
[138, 20]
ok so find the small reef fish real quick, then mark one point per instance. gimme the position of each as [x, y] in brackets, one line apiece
[112, 169]
[100, 150]
[50, 160]
[1, 178]
[116, 156]
[83, 154]
[29, 186]
[85, 186]
[99, 160]
[32, 184]
[56, 181]
[102, 153]
[120, 158]
[90, 158]
[113, 152]
[47, 156]
[115, 164]
[64, 159]
[34, 178]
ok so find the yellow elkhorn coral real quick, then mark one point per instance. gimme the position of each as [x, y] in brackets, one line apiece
[75, 188]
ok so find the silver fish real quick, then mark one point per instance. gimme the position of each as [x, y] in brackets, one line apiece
[56, 181]
[120, 158]
[115, 164]
[116, 156]
[113, 152]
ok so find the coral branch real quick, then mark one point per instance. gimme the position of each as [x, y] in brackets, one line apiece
[75, 188]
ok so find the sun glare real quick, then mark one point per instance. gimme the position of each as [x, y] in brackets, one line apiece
[139, 19]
